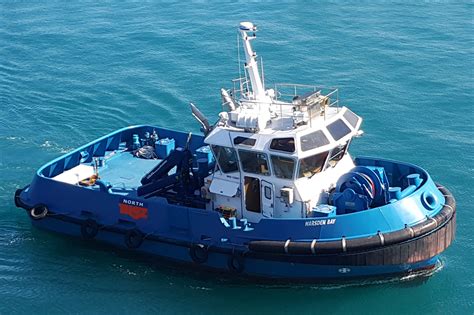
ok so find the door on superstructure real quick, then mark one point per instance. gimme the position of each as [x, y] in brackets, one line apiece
[252, 194]
[252, 203]
[267, 197]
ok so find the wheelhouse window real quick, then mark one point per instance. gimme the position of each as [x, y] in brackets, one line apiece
[351, 118]
[337, 154]
[283, 144]
[312, 165]
[338, 129]
[245, 141]
[313, 140]
[254, 162]
[283, 167]
[226, 158]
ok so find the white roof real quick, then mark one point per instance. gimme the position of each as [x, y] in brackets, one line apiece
[224, 135]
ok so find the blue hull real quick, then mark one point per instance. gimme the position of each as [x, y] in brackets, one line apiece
[252, 267]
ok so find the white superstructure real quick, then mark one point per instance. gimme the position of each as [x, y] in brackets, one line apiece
[279, 151]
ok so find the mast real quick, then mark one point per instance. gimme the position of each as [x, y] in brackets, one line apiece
[251, 61]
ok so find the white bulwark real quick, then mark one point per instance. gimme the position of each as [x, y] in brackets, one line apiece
[279, 151]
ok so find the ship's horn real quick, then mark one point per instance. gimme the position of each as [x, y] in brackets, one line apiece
[206, 127]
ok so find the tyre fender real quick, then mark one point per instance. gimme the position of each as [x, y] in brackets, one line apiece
[134, 238]
[198, 253]
[89, 229]
[236, 263]
[38, 212]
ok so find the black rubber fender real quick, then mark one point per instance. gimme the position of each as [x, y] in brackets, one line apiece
[17, 199]
[236, 263]
[298, 248]
[267, 246]
[398, 236]
[38, 212]
[89, 229]
[443, 215]
[134, 238]
[424, 227]
[307, 248]
[447, 195]
[360, 244]
[198, 253]
[328, 247]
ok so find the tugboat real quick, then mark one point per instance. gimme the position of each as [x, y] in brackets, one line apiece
[269, 191]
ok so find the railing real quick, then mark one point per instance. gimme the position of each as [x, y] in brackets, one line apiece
[287, 91]
[240, 89]
[284, 102]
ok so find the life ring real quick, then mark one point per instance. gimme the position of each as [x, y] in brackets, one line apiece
[198, 253]
[38, 212]
[89, 229]
[134, 238]
[236, 263]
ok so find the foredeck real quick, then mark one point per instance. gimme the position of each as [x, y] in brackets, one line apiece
[124, 171]
[111, 158]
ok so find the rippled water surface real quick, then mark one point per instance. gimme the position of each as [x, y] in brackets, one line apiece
[70, 73]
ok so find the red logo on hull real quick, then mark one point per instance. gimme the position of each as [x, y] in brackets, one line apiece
[133, 209]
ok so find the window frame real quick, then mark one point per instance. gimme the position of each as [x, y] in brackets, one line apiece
[323, 166]
[282, 151]
[269, 190]
[330, 155]
[267, 160]
[216, 156]
[244, 139]
[344, 124]
[295, 166]
[325, 134]
[353, 115]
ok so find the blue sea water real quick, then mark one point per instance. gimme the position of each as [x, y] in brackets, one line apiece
[71, 72]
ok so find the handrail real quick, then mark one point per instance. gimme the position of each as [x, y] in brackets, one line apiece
[285, 94]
